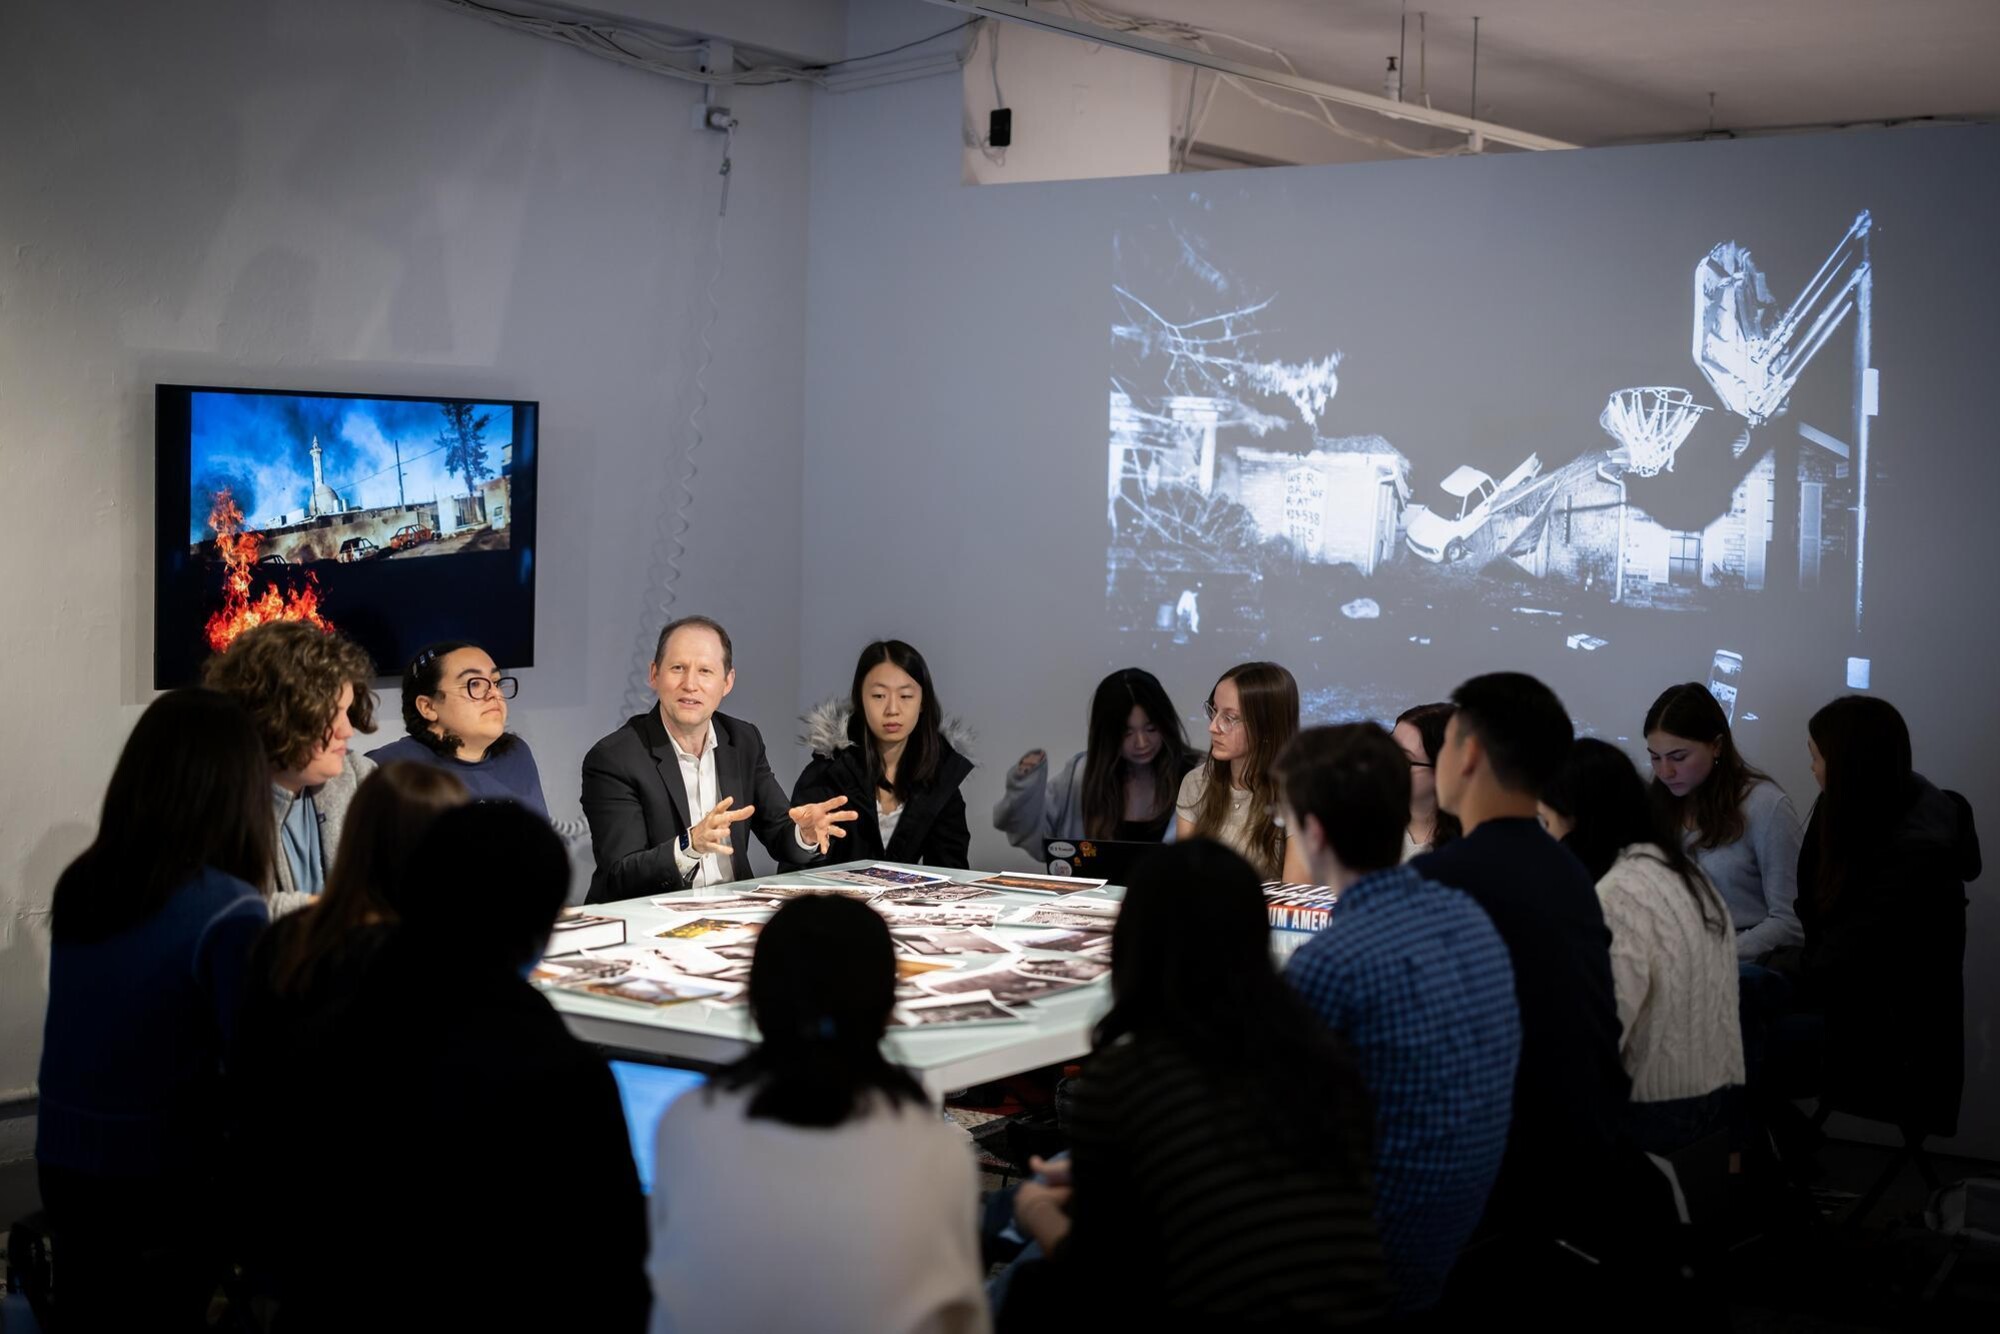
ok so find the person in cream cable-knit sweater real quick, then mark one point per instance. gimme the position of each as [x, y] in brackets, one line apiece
[1673, 956]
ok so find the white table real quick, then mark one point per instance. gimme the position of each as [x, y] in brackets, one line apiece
[944, 1059]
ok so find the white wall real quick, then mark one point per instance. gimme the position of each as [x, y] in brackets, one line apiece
[375, 195]
[1080, 111]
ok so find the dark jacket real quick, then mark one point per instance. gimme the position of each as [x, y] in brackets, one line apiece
[418, 1169]
[932, 828]
[1885, 964]
[636, 802]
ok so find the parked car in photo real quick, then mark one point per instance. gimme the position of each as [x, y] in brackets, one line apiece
[411, 535]
[272, 559]
[1441, 531]
[357, 548]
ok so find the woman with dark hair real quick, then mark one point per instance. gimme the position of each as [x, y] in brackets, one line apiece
[887, 749]
[308, 691]
[444, 1103]
[1123, 786]
[151, 930]
[1739, 825]
[455, 711]
[1420, 732]
[1218, 1171]
[1232, 796]
[886, 1244]
[1882, 898]
[1673, 956]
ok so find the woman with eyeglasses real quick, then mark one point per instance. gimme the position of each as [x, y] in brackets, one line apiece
[1420, 732]
[455, 709]
[1232, 796]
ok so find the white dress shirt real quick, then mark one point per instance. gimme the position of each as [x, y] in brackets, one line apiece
[703, 792]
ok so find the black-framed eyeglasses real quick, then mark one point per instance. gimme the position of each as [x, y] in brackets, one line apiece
[479, 687]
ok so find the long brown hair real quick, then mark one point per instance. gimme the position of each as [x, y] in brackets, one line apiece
[1270, 699]
[191, 790]
[390, 812]
[1103, 770]
[1716, 806]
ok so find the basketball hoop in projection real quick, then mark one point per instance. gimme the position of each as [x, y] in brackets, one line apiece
[1652, 423]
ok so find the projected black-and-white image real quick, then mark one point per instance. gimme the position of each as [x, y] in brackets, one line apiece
[1249, 506]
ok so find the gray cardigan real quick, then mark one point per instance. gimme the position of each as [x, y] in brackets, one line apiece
[1036, 807]
[1758, 874]
[330, 802]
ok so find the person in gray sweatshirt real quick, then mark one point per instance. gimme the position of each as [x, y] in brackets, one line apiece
[1739, 825]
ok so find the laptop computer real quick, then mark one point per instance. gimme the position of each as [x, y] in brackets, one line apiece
[1095, 858]
[646, 1091]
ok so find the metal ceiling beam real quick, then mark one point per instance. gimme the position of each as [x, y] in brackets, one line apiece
[1012, 11]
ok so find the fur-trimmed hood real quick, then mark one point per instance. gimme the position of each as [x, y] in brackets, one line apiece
[826, 729]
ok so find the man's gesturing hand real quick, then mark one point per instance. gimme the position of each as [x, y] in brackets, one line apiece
[711, 832]
[821, 821]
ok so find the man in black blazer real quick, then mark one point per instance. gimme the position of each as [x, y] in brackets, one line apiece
[664, 791]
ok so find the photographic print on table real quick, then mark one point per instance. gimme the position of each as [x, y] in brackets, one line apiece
[931, 896]
[1022, 883]
[880, 877]
[779, 893]
[977, 1008]
[897, 915]
[1071, 915]
[1065, 941]
[1006, 981]
[908, 969]
[700, 928]
[733, 903]
[653, 991]
[577, 968]
[1068, 970]
[945, 941]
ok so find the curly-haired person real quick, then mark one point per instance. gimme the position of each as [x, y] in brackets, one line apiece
[308, 692]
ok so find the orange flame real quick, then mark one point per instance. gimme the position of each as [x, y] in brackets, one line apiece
[238, 550]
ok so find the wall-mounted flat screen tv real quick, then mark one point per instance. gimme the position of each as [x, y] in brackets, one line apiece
[396, 520]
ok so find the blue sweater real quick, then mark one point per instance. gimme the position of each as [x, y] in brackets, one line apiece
[508, 776]
[137, 1025]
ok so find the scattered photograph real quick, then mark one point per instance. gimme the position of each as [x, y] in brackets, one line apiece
[1007, 981]
[734, 903]
[780, 892]
[879, 877]
[656, 991]
[931, 896]
[911, 968]
[685, 957]
[577, 968]
[1039, 884]
[1071, 915]
[1071, 970]
[740, 952]
[700, 927]
[979, 1008]
[1065, 942]
[945, 941]
[899, 915]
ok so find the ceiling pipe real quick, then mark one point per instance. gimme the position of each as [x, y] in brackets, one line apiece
[1012, 11]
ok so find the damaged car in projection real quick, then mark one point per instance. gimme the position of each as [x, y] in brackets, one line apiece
[1443, 531]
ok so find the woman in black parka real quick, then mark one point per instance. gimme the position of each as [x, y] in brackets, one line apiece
[888, 752]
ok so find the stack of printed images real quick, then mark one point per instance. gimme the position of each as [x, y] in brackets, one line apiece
[972, 952]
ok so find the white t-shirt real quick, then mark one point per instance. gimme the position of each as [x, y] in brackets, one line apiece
[870, 1227]
[1235, 831]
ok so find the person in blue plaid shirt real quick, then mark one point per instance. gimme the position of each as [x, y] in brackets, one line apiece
[1419, 983]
